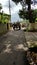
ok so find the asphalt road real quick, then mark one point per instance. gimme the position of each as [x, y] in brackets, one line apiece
[12, 48]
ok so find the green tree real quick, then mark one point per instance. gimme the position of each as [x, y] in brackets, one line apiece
[0, 12]
[28, 2]
[31, 15]
[24, 14]
[0, 7]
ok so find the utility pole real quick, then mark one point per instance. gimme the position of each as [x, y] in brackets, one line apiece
[10, 11]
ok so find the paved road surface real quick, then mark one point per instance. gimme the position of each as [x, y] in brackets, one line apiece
[12, 48]
[31, 36]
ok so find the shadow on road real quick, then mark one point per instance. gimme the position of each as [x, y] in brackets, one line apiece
[14, 58]
[12, 49]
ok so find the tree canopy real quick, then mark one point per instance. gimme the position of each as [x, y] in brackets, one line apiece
[24, 15]
[0, 6]
[16, 1]
[4, 18]
[27, 14]
[27, 1]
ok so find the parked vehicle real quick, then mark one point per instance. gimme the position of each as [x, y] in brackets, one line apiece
[16, 25]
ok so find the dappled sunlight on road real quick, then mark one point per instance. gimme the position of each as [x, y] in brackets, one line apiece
[32, 43]
[6, 42]
[20, 47]
[7, 49]
[13, 47]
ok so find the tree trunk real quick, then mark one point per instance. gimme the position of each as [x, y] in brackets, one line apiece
[29, 12]
[30, 16]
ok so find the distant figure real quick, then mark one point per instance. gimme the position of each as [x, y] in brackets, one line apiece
[17, 25]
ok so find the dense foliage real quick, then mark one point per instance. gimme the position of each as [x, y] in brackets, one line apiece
[0, 7]
[16, 1]
[4, 18]
[24, 14]
[28, 2]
